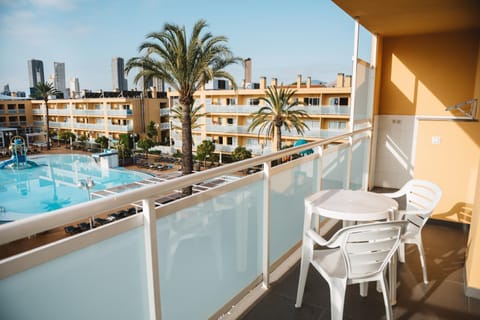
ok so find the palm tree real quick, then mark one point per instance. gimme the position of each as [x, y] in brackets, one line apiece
[195, 115]
[187, 65]
[278, 113]
[42, 91]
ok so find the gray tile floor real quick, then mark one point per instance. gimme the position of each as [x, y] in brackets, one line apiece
[442, 298]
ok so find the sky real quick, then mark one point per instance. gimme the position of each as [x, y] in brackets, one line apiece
[283, 38]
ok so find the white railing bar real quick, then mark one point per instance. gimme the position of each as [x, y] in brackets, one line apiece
[266, 226]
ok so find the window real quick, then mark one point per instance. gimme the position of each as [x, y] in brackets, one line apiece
[230, 120]
[220, 140]
[252, 142]
[229, 141]
[344, 101]
[337, 125]
[231, 102]
[309, 101]
[254, 102]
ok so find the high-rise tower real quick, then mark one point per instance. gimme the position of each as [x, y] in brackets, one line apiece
[35, 73]
[59, 78]
[74, 88]
[119, 83]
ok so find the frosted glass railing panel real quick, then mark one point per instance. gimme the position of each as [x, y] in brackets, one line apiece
[288, 191]
[360, 154]
[103, 281]
[363, 103]
[209, 252]
[334, 175]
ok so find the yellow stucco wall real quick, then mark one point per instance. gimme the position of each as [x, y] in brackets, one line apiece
[472, 263]
[452, 164]
[421, 76]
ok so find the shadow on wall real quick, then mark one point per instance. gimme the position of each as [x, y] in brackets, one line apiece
[460, 212]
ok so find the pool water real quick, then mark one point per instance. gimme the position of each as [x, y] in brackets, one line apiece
[53, 184]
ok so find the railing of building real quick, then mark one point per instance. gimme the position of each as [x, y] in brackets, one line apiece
[248, 109]
[192, 258]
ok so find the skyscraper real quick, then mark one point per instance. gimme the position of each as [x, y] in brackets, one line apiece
[59, 78]
[74, 88]
[118, 75]
[35, 73]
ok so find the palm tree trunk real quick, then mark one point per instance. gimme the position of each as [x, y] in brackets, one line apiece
[48, 125]
[187, 141]
[278, 137]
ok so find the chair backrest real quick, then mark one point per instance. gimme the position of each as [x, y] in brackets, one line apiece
[367, 248]
[421, 199]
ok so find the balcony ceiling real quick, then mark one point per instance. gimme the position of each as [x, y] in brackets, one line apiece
[409, 17]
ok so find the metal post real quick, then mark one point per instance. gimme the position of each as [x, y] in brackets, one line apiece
[266, 226]
[151, 256]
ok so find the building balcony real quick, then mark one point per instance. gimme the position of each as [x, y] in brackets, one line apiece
[60, 124]
[220, 109]
[248, 109]
[89, 126]
[120, 128]
[119, 112]
[88, 112]
[59, 112]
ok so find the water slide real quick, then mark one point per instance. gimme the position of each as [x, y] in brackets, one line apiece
[13, 161]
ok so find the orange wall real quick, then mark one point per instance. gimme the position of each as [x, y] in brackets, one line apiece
[452, 164]
[421, 75]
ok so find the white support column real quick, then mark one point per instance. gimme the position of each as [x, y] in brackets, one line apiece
[266, 225]
[151, 256]
[353, 101]
[372, 151]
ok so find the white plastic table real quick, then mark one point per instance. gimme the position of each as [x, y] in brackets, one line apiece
[355, 205]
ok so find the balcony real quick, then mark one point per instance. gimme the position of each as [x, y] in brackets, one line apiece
[38, 111]
[120, 128]
[248, 109]
[89, 126]
[222, 229]
[119, 112]
[88, 112]
[59, 112]
[60, 124]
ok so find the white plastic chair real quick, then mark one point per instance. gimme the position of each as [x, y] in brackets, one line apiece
[421, 198]
[358, 254]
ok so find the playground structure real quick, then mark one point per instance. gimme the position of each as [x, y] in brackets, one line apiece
[18, 150]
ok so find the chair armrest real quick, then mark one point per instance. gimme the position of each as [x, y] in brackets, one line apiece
[394, 195]
[316, 237]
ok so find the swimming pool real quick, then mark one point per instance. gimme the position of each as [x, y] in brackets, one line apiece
[53, 184]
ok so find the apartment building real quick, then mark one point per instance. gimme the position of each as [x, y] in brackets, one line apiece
[96, 114]
[228, 113]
